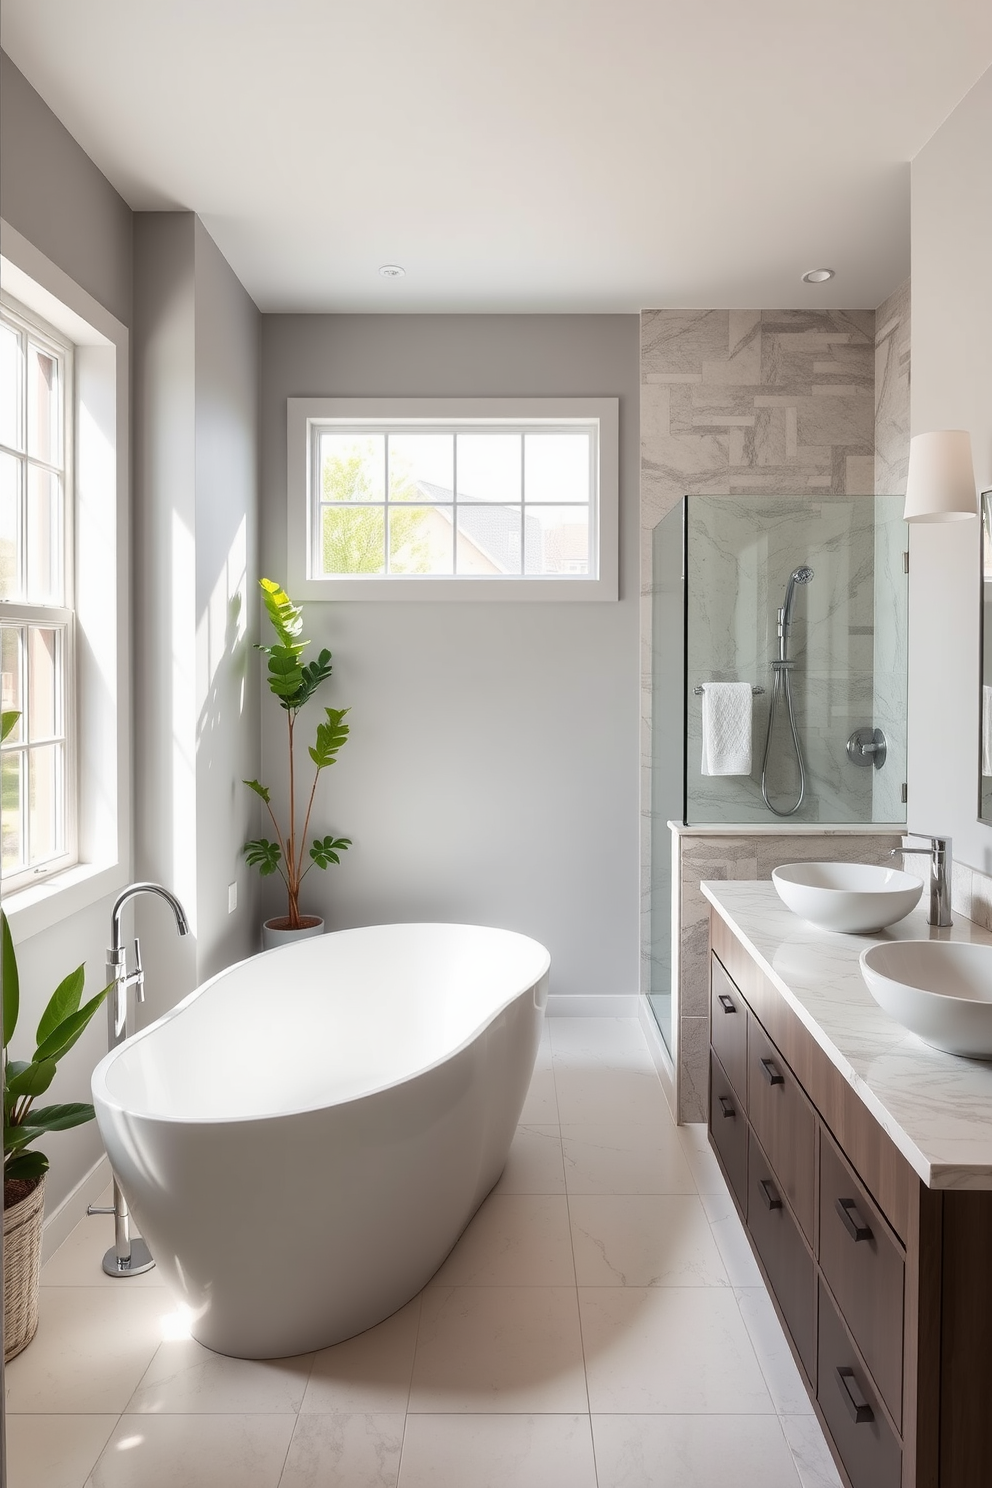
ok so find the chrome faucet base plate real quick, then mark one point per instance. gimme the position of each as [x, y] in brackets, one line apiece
[140, 1260]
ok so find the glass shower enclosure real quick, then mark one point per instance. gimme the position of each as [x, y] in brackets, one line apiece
[804, 598]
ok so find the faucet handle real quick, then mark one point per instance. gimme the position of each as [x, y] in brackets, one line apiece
[138, 975]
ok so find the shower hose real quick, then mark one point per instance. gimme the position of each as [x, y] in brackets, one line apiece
[782, 689]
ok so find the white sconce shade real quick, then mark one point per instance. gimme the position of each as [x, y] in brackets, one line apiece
[941, 482]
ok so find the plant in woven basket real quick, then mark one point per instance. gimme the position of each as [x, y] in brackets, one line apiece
[293, 682]
[62, 1023]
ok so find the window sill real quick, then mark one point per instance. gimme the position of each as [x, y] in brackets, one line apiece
[40, 906]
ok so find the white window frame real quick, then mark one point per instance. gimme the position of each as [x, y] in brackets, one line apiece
[99, 586]
[304, 416]
[61, 618]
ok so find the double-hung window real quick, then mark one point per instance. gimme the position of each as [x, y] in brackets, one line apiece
[37, 794]
[456, 498]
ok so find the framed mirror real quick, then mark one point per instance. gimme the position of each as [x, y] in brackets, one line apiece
[985, 634]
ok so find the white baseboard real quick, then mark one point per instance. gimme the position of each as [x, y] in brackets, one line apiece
[60, 1224]
[565, 1005]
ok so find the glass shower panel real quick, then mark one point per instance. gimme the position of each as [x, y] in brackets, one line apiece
[845, 662]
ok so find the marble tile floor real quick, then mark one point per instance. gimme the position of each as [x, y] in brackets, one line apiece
[600, 1324]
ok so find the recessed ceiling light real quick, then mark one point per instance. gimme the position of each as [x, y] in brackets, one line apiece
[817, 276]
[391, 271]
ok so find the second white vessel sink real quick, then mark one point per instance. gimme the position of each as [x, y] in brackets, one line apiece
[938, 989]
[853, 897]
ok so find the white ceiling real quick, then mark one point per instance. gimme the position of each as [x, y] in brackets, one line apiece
[517, 155]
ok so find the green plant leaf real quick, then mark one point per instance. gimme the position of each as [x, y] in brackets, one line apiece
[331, 736]
[260, 790]
[34, 1079]
[263, 855]
[64, 1000]
[8, 722]
[62, 1038]
[286, 617]
[327, 850]
[312, 675]
[15, 1137]
[11, 984]
[61, 1118]
[26, 1165]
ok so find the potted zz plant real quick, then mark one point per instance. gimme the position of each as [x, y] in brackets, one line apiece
[24, 1167]
[293, 683]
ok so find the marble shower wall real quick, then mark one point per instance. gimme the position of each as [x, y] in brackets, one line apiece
[737, 402]
[892, 362]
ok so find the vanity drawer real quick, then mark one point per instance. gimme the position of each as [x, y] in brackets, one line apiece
[783, 1253]
[783, 1121]
[865, 1269]
[728, 1129]
[728, 1026]
[846, 1395]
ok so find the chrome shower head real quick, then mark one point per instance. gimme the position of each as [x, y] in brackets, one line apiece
[801, 575]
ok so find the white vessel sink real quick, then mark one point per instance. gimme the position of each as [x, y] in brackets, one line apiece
[939, 989]
[853, 897]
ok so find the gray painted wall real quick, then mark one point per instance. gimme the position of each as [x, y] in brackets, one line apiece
[196, 725]
[491, 774]
[952, 389]
[51, 191]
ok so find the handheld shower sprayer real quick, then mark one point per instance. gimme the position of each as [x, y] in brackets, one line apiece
[782, 688]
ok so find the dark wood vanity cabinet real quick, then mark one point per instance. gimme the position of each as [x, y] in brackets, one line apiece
[883, 1286]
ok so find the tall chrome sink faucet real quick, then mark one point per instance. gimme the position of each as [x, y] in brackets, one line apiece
[129, 1255]
[939, 853]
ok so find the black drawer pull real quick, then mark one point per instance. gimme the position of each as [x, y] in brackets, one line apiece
[768, 1193]
[772, 1075]
[726, 1107]
[861, 1411]
[851, 1219]
[727, 1003]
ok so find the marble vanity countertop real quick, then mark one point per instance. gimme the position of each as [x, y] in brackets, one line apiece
[936, 1107]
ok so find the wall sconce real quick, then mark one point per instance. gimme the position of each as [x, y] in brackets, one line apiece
[941, 483]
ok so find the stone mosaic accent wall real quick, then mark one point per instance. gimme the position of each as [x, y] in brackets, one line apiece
[892, 361]
[712, 856]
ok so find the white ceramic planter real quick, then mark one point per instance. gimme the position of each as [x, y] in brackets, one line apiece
[273, 937]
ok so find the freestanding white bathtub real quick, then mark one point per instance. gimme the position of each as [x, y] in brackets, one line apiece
[303, 1139]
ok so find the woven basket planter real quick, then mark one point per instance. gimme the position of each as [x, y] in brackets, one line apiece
[22, 1270]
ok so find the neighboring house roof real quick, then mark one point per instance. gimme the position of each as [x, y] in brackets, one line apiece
[493, 529]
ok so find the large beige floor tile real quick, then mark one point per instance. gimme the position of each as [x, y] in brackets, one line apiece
[534, 1164]
[644, 1241]
[239, 1451]
[92, 1346]
[541, 1102]
[673, 1451]
[616, 1042]
[512, 1349]
[514, 1240]
[811, 1454]
[603, 1093]
[360, 1451]
[54, 1451]
[368, 1374]
[774, 1355]
[624, 1159]
[704, 1166]
[184, 1378]
[490, 1451]
[683, 1350]
[728, 1232]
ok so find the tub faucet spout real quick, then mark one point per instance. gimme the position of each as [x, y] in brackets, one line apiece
[129, 1255]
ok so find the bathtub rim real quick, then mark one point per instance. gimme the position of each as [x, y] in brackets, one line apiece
[103, 1096]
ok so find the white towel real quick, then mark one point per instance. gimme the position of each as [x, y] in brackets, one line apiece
[726, 728]
[987, 730]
